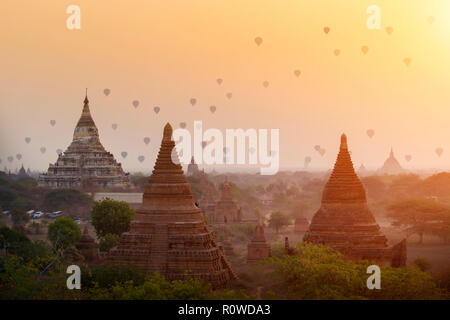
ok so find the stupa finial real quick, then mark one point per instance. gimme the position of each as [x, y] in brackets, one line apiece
[167, 135]
[86, 100]
[343, 142]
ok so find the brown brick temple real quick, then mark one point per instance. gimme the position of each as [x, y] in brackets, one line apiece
[87, 246]
[258, 248]
[168, 234]
[85, 162]
[344, 221]
[226, 209]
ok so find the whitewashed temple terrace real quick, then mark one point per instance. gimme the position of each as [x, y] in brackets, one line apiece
[85, 164]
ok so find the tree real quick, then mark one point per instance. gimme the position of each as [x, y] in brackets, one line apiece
[278, 220]
[110, 216]
[19, 219]
[64, 233]
[419, 215]
[108, 241]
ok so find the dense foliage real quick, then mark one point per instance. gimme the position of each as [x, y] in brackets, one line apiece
[111, 217]
[321, 273]
[63, 233]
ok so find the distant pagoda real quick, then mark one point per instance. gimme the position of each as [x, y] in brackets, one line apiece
[258, 248]
[193, 168]
[301, 222]
[344, 221]
[168, 234]
[391, 166]
[85, 162]
[226, 209]
[22, 172]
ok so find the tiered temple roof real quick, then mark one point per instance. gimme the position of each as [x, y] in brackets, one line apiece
[344, 221]
[168, 234]
[85, 162]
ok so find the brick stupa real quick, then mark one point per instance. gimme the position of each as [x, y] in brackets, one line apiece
[258, 248]
[168, 234]
[87, 246]
[226, 210]
[344, 221]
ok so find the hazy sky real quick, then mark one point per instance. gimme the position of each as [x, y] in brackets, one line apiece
[163, 53]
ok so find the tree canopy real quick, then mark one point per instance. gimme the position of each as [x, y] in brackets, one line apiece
[110, 216]
[63, 233]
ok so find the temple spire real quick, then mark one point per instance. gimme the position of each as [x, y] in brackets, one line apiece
[343, 142]
[86, 100]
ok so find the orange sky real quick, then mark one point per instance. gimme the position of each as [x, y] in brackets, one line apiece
[163, 53]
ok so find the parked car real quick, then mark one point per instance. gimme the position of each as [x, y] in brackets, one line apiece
[37, 214]
[56, 214]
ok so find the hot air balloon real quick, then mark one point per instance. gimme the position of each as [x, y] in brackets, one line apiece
[364, 49]
[141, 158]
[212, 109]
[193, 101]
[27, 140]
[407, 61]
[18, 156]
[337, 52]
[317, 148]
[43, 149]
[10, 159]
[266, 84]
[439, 151]
[219, 81]
[147, 140]
[124, 154]
[297, 73]
[114, 126]
[229, 95]
[106, 92]
[326, 30]
[389, 30]
[58, 151]
[370, 132]
[156, 109]
[52, 123]
[322, 151]
[182, 125]
[258, 41]
[135, 103]
[408, 157]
